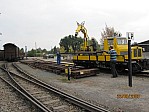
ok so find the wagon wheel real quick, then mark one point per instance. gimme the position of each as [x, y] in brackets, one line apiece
[120, 68]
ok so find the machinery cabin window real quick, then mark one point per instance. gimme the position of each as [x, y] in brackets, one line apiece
[110, 41]
[139, 52]
[121, 41]
[135, 52]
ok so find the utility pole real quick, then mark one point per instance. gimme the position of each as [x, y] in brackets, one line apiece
[130, 37]
[35, 48]
[26, 52]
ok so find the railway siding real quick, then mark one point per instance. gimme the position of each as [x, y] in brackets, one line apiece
[101, 90]
[59, 104]
[11, 100]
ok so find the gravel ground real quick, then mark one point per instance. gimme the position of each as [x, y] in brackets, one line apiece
[9, 100]
[101, 89]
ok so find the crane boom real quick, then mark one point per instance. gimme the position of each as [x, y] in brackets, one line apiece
[84, 31]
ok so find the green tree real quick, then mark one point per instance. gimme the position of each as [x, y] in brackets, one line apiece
[76, 43]
[31, 53]
[65, 42]
[39, 50]
[54, 50]
[71, 41]
[22, 50]
[44, 51]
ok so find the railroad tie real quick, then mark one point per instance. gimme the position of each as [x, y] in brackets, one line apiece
[51, 101]
[42, 97]
[22, 108]
[61, 108]
[37, 92]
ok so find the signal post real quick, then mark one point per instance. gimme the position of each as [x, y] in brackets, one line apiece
[130, 37]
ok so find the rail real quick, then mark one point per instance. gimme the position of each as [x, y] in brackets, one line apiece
[74, 100]
[24, 95]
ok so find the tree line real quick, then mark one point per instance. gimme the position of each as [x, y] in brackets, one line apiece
[72, 44]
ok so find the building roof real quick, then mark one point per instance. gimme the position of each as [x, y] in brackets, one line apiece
[7, 44]
[144, 42]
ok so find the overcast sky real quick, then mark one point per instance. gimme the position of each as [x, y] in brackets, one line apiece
[45, 22]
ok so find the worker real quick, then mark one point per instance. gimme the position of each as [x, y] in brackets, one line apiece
[58, 58]
[87, 48]
[94, 44]
[113, 56]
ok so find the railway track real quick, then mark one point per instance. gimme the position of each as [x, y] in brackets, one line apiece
[19, 101]
[48, 97]
[142, 74]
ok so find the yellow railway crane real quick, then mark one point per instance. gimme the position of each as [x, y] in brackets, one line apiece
[102, 58]
[82, 29]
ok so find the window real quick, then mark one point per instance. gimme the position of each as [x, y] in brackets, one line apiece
[135, 52]
[110, 41]
[121, 41]
[139, 52]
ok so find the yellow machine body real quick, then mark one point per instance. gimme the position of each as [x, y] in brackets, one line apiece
[121, 47]
[102, 58]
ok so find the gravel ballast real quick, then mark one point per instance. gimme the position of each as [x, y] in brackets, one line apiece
[101, 89]
[10, 100]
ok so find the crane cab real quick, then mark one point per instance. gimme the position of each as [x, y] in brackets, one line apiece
[121, 46]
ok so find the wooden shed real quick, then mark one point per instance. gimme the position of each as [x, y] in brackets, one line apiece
[11, 52]
[1, 55]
